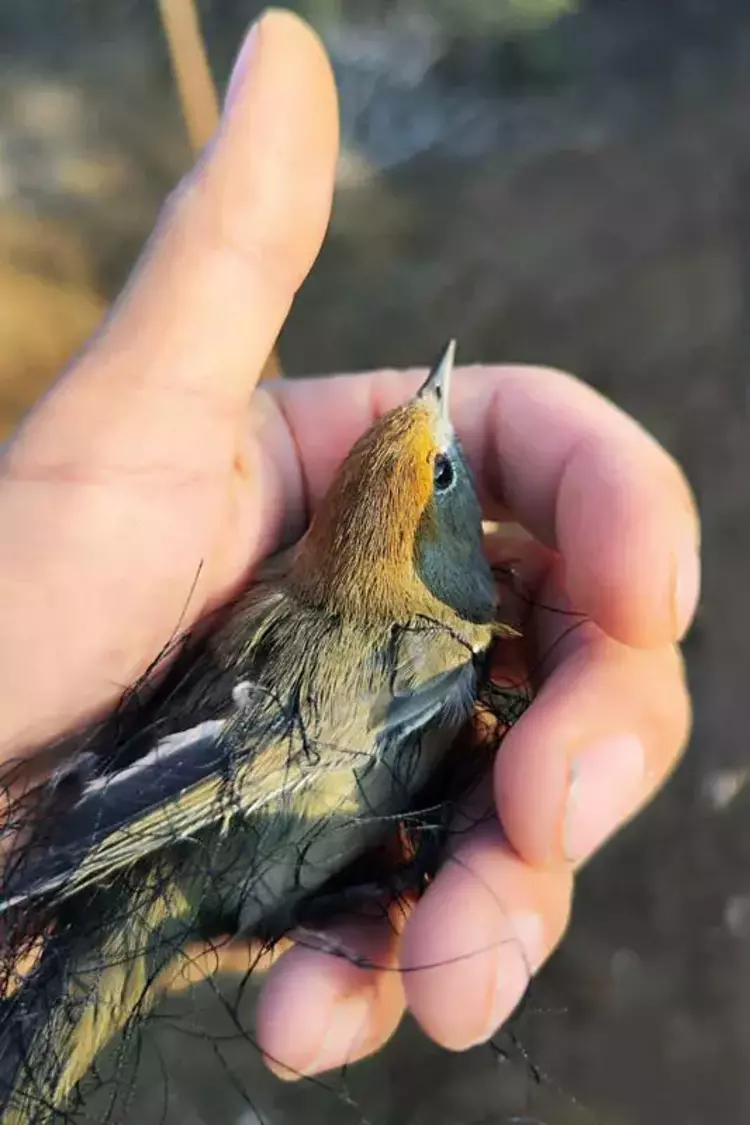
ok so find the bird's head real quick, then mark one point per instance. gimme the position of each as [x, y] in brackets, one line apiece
[399, 532]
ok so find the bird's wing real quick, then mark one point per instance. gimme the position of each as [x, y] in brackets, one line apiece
[191, 780]
[250, 756]
[432, 679]
[160, 770]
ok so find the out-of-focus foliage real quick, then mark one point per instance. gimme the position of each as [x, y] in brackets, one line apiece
[503, 15]
[459, 16]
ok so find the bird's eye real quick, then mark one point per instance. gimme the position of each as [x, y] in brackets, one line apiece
[443, 472]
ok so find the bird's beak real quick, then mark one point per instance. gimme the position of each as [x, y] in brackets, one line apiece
[437, 385]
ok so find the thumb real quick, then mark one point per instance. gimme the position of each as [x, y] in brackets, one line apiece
[118, 486]
[181, 352]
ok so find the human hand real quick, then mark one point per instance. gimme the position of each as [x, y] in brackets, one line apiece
[149, 463]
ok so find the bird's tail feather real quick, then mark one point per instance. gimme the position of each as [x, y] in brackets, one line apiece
[94, 976]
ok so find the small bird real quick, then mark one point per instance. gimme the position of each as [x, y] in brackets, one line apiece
[276, 744]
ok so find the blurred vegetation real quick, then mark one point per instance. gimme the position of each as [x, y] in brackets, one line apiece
[462, 17]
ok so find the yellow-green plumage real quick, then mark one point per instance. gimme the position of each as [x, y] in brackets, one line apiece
[276, 748]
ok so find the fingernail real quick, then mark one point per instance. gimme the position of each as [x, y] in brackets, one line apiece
[688, 582]
[519, 957]
[607, 782]
[347, 1033]
[244, 61]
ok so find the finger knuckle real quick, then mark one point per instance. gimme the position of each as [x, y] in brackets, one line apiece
[669, 704]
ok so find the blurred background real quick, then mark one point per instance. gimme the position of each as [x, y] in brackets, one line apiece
[557, 181]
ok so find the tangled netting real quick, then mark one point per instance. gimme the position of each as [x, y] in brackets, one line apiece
[183, 819]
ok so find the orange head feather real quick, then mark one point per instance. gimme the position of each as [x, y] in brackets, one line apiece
[399, 532]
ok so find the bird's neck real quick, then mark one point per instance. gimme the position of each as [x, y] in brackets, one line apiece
[374, 590]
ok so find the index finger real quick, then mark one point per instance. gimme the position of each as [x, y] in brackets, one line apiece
[581, 476]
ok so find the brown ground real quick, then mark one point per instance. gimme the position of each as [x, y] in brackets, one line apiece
[602, 226]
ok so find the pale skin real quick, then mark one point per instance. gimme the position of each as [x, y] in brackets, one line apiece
[154, 456]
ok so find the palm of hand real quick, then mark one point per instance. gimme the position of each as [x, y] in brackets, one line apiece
[143, 485]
